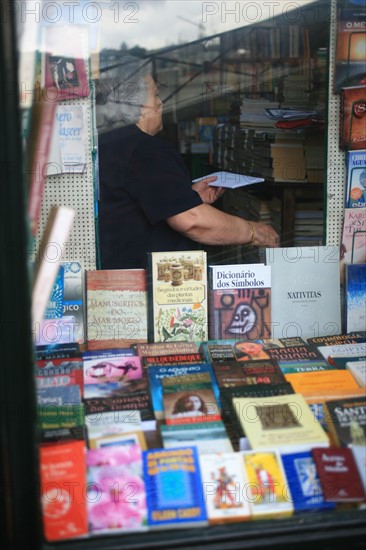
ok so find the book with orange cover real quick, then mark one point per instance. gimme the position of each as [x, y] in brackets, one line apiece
[63, 482]
[323, 383]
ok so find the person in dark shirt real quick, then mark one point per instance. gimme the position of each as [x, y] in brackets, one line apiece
[147, 199]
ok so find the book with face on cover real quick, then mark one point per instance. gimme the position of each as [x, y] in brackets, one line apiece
[305, 297]
[239, 304]
[284, 422]
[156, 374]
[177, 289]
[189, 398]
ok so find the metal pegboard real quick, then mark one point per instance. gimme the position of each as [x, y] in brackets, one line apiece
[76, 191]
[336, 168]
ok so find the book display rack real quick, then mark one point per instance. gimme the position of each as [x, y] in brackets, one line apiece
[315, 192]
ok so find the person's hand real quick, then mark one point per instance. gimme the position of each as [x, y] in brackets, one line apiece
[208, 194]
[265, 235]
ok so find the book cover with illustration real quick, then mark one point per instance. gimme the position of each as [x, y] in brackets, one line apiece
[107, 371]
[177, 287]
[174, 488]
[63, 481]
[350, 69]
[284, 422]
[64, 61]
[355, 297]
[267, 491]
[156, 374]
[224, 481]
[352, 132]
[63, 320]
[353, 246]
[346, 421]
[303, 479]
[239, 301]
[189, 398]
[116, 496]
[305, 294]
[356, 179]
[116, 308]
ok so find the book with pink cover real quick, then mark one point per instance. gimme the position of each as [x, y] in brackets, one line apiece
[116, 490]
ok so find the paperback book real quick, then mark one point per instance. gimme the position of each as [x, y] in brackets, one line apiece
[156, 374]
[177, 287]
[174, 488]
[338, 339]
[338, 474]
[63, 480]
[224, 481]
[116, 496]
[304, 484]
[268, 491]
[305, 291]
[63, 320]
[116, 308]
[239, 301]
[283, 422]
[355, 296]
[109, 369]
[358, 371]
[346, 421]
[356, 179]
[352, 123]
[132, 395]
[189, 398]
[208, 437]
[238, 373]
[350, 40]
[353, 247]
[231, 180]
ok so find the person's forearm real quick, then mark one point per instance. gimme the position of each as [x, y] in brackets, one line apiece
[208, 225]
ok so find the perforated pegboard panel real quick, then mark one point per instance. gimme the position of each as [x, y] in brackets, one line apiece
[76, 191]
[336, 170]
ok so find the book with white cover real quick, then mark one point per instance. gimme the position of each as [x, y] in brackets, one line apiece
[231, 180]
[358, 371]
[305, 296]
[224, 480]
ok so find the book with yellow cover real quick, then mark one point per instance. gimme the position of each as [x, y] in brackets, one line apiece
[267, 491]
[283, 422]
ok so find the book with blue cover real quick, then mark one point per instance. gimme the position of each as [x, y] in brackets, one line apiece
[174, 488]
[306, 491]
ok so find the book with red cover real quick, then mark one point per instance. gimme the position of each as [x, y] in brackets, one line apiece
[352, 118]
[338, 474]
[63, 482]
[116, 308]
